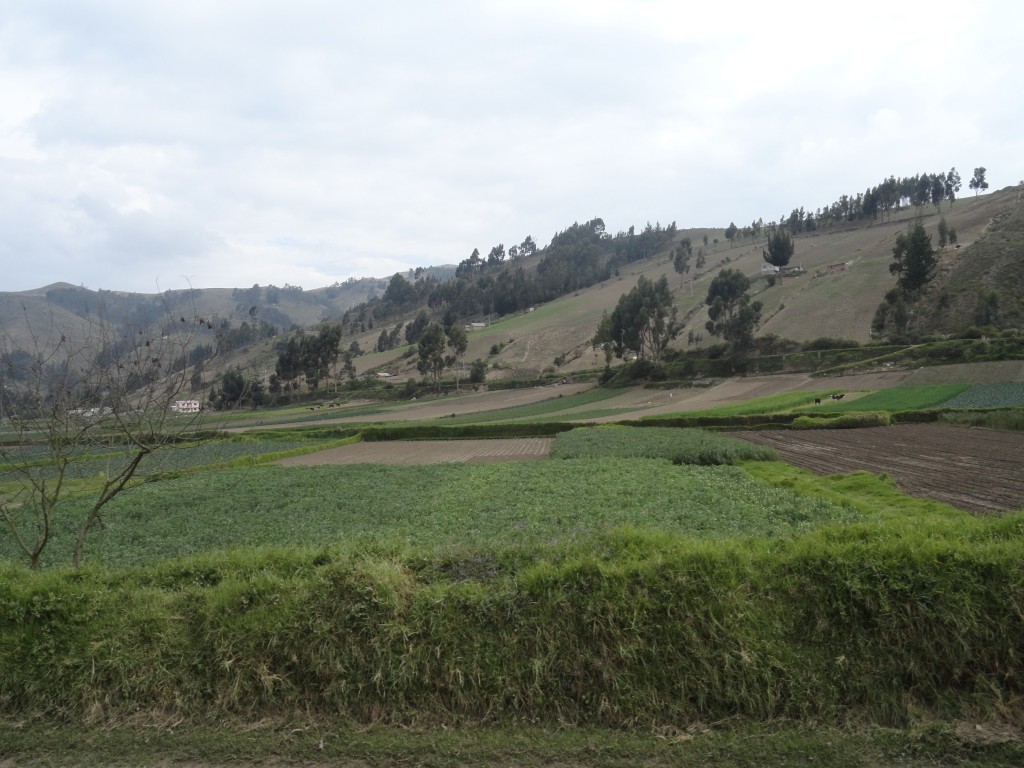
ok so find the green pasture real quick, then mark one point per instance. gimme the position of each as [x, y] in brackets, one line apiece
[895, 399]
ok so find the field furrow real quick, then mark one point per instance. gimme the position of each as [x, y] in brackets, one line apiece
[980, 470]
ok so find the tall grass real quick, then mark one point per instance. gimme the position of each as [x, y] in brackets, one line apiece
[627, 629]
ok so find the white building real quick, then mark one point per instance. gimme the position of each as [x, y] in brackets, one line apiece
[185, 406]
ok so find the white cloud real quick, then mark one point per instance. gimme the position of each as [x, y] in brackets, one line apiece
[248, 142]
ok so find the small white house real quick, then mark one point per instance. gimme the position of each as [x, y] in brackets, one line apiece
[185, 406]
[768, 269]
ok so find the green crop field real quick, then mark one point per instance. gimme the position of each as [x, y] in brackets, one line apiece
[543, 410]
[1005, 395]
[680, 446]
[85, 467]
[437, 507]
[784, 401]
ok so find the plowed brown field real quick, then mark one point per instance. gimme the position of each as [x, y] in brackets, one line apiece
[980, 470]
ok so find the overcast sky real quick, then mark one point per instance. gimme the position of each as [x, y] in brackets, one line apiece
[147, 145]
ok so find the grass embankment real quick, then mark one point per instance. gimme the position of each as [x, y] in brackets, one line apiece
[624, 629]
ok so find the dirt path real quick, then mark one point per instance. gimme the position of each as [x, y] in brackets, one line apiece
[979, 470]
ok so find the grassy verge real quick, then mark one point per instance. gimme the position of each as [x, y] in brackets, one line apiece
[1012, 419]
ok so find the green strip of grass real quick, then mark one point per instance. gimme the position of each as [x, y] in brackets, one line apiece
[897, 399]
[785, 401]
[627, 629]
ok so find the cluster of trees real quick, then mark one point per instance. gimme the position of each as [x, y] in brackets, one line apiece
[879, 201]
[914, 264]
[496, 257]
[578, 257]
[312, 358]
[732, 315]
[440, 348]
[643, 322]
[645, 319]
[235, 390]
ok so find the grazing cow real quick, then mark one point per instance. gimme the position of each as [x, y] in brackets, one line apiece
[817, 401]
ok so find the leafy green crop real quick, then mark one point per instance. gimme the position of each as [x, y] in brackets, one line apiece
[680, 446]
[1008, 395]
[439, 506]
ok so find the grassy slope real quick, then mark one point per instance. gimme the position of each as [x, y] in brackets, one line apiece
[839, 305]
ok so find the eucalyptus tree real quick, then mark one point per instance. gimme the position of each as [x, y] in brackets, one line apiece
[643, 322]
[914, 260]
[732, 315]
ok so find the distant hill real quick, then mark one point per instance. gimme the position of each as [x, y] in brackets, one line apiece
[845, 276]
[65, 306]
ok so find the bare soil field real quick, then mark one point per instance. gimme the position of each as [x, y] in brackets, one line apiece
[979, 470]
[428, 452]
